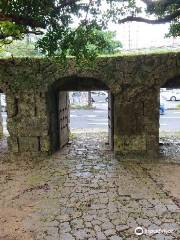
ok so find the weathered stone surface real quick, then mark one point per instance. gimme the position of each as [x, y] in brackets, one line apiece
[29, 144]
[32, 85]
[62, 197]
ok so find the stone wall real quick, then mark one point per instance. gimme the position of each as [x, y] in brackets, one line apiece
[133, 80]
[137, 123]
[27, 122]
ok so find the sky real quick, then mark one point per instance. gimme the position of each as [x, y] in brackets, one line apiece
[141, 35]
[135, 35]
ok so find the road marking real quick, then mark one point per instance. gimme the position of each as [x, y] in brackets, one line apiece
[170, 117]
[163, 124]
[72, 115]
[90, 116]
[98, 123]
[176, 112]
[99, 111]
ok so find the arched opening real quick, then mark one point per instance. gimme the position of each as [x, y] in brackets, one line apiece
[58, 105]
[3, 122]
[169, 120]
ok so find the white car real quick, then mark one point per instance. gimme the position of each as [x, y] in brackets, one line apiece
[3, 102]
[99, 96]
[171, 95]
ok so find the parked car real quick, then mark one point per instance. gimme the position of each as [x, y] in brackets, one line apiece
[76, 94]
[75, 97]
[171, 95]
[99, 96]
[3, 108]
[3, 102]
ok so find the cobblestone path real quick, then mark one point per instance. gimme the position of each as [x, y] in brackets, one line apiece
[84, 193]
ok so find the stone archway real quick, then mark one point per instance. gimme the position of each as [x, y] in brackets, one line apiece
[58, 107]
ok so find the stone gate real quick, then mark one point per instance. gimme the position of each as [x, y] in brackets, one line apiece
[32, 88]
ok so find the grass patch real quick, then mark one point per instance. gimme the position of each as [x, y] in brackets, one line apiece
[116, 54]
[178, 107]
[169, 134]
[85, 107]
[72, 136]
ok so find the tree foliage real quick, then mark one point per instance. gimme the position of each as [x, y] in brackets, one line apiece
[20, 48]
[26, 47]
[75, 26]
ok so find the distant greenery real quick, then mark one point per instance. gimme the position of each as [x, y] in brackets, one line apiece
[27, 48]
[20, 48]
[178, 107]
[85, 107]
[112, 46]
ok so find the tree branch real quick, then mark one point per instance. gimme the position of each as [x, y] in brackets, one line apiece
[4, 36]
[25, 21]
[65, 4]
[167, 18]
[160, 2]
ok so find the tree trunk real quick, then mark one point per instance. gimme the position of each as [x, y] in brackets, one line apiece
[89, 99]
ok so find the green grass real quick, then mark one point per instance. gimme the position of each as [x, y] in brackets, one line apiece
[117, 54]
[178, 106]
[169, 134]
[72, 136]
[78, 106]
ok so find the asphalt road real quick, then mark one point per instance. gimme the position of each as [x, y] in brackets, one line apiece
[94, 118]
[170, 121]
[98, 118]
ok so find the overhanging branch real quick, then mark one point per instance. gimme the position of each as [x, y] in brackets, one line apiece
[165, 19]
[25, 21]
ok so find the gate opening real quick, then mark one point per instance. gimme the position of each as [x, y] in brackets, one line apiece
[3, 123]
[89, 113]
[79, 104]
[84, 113]
[169, 122]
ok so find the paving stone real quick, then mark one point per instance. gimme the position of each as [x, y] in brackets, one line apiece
[107, 225]
[170, 226]
[66, 236]
[115, 237]
[88, 224]
[81, 234]
[90, 196]
[121, 228]
[100, 235]
[77, 223]
[65, 227]
[160, 237]
[143, 222]
[109, 232]
[160, 209]
[172, 208]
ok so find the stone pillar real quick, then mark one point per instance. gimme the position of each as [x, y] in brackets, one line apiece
[27, 122]
[1, 120]
[136, 123]
[151, 120]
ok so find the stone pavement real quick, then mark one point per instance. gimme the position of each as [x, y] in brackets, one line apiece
[84, 193]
